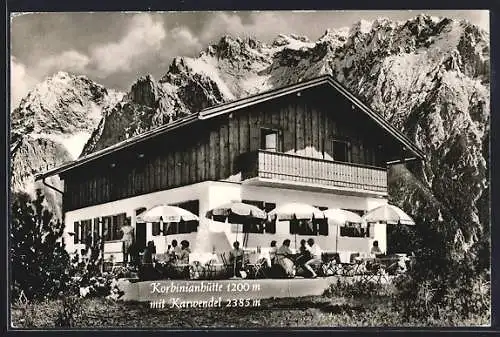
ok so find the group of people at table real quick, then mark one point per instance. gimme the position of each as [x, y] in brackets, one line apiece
[282, 260]
[281, 257]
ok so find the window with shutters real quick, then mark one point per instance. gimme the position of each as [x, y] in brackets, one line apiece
[96, 229]
[118, 222]
[189, 226]
[86, 231]
[309, 227]
[260, 227]
[353, 230]
[169, 228]
[106, 228]
[111, 226]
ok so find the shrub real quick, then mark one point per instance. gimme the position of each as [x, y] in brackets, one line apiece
[39, 261]
[445, 286]
[357, 288]
[68, 315]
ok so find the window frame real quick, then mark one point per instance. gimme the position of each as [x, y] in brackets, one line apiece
[300, 227]
[269, 227]
[363, 233]
[328, 143]
[264, 131]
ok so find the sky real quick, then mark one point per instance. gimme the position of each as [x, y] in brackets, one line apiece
[116, 48]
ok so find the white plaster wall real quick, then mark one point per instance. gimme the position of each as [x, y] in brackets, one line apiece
[129, 205]
[282, 196]
[212, 194]
[222, 192]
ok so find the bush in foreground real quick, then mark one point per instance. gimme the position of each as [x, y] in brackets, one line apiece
[38, 258]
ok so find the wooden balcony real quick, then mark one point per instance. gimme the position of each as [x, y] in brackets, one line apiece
[302, 171]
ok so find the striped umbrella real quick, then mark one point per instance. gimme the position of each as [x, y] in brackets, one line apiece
[235, 212]
[296, 211]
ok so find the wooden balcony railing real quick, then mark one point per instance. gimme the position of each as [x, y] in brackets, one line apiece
[299, 169]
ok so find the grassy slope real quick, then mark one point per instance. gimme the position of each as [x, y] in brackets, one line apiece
[318, 311]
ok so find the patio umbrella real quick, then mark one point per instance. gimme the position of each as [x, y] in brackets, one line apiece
[296, 211]
[236, 213]
[389, 214]
[339, 217]
[166, 213]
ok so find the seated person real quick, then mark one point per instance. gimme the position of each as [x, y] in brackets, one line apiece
[183, 257]
[284, 258]
[272, 252]
[174, 251]
[315, 256]
[375, 249]
[236, 259]
[304, 254]
[146, 271]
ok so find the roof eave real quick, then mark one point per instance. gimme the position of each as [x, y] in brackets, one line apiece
[378, 118]
[119, 146]
[236, 105]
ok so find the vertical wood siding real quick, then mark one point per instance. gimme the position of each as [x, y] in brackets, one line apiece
[211, 150]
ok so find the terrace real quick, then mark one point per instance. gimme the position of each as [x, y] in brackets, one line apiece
[274, 168]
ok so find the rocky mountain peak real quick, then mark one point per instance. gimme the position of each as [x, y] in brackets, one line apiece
[234, 48]
[63, 103]
[428, 76]
[51, 125]
[145, 91]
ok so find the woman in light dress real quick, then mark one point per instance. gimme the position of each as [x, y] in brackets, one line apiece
[127, 239]
[284, 258]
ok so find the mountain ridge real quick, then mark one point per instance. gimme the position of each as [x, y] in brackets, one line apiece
[427, 76]
[50, 127]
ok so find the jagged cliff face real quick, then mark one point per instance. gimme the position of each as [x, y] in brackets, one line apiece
[429, 77]
[50, 127]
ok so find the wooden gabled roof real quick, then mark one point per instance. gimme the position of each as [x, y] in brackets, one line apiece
[227, 108]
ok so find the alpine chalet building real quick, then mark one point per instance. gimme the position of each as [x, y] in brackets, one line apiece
[313, 142]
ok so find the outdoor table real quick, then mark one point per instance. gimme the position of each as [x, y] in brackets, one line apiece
[202, 258]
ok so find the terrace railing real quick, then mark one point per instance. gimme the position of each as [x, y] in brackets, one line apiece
[299, 169]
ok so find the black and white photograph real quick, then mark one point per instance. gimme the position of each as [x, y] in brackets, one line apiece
[249, 169]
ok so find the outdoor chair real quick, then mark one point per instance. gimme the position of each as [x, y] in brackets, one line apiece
[317, 267]
[331, 268]
[355, 267]
[258, 269]
[196, 271]
[211, 269]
